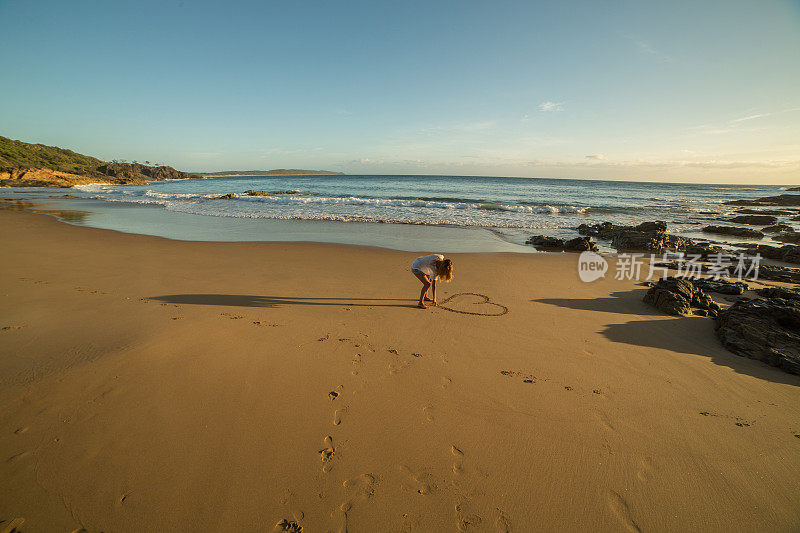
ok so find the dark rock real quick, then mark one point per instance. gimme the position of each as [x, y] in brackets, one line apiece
[268, 193]
[229, 196]
[704, 249]
[747, 211]
[779, 292]
[781, 199]
[767, 330]
[777, 228]
[581, 244]
[578, 244]
[787, 236]
[788, 253]
[604, 230]
[791, 254]
[793, 189]
[648, 237]
[779, 273]
[543, 241]
[721, 286]
[677, 296]
[754, 220]
[131, 172]
[733, 230]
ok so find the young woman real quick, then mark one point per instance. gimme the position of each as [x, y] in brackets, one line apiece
[428, 269]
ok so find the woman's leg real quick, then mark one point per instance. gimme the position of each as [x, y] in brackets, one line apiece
[426, 283]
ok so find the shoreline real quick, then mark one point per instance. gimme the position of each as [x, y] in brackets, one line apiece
[244, 384]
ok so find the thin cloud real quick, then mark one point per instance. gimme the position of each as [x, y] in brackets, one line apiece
[749, 117]
[596, 157]
[551, 106]
[645, 48]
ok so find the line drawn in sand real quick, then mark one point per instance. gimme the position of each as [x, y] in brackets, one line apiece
[491, 308]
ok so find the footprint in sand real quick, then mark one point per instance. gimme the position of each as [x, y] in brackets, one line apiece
[18, 457]
[337, 416]
[231, 316]
[288, 525]
[327, 454]
[266, 324]
[567, 387]
[605, 421]
[465, 518]
[501, 523]
[288, 500]
[446, 382]
[458, 459]
[414, 482]
[21, 430]
[645, 469]
[428, 412]
[122, 499]
[333, 395]
[12, 526]
[360, 487]
[12, 328]
[622, 511]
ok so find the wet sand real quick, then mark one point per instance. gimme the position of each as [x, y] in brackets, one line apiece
[151, 384]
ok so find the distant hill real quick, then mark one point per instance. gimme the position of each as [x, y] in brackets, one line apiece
[276, 172]
[37, 165]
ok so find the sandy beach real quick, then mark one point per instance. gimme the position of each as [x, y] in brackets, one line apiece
[159, 385]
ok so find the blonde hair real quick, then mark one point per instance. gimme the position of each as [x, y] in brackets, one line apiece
[444, 268]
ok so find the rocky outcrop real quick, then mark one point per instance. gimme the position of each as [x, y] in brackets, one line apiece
[787, 236]
[767, 330]
[268, 193]
[603, 230]
[754, 220]
[777, 228]
[779, 273]
[735, 231]
[748, 211]
[231, 196]
[680, 297]
[44, 177]
[720, 286]
[578, 244]
[781, 199]
[135, 173]
[793, 189]
[646, 237]
[779, 292]
[787, 253]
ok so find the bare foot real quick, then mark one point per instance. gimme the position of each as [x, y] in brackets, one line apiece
[429, 299]
[422, 305]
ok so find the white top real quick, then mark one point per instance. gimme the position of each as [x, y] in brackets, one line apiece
[425, 264]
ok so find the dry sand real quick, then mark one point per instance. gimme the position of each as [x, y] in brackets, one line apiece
[157, 385]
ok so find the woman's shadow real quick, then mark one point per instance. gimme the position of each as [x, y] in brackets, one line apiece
[248, 300]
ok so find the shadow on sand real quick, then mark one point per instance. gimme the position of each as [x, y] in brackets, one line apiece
[686, 335]
[247, 300]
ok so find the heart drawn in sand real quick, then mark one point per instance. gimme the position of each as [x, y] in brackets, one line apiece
[470, 303]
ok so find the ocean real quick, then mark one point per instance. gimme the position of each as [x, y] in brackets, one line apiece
[499, 213]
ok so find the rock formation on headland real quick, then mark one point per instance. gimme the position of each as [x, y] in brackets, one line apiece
[647, 236]
[766, 329]
[36, 165]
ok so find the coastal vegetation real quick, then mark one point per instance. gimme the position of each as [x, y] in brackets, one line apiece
[37, 165]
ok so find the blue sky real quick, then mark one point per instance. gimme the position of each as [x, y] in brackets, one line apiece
[677, 91]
